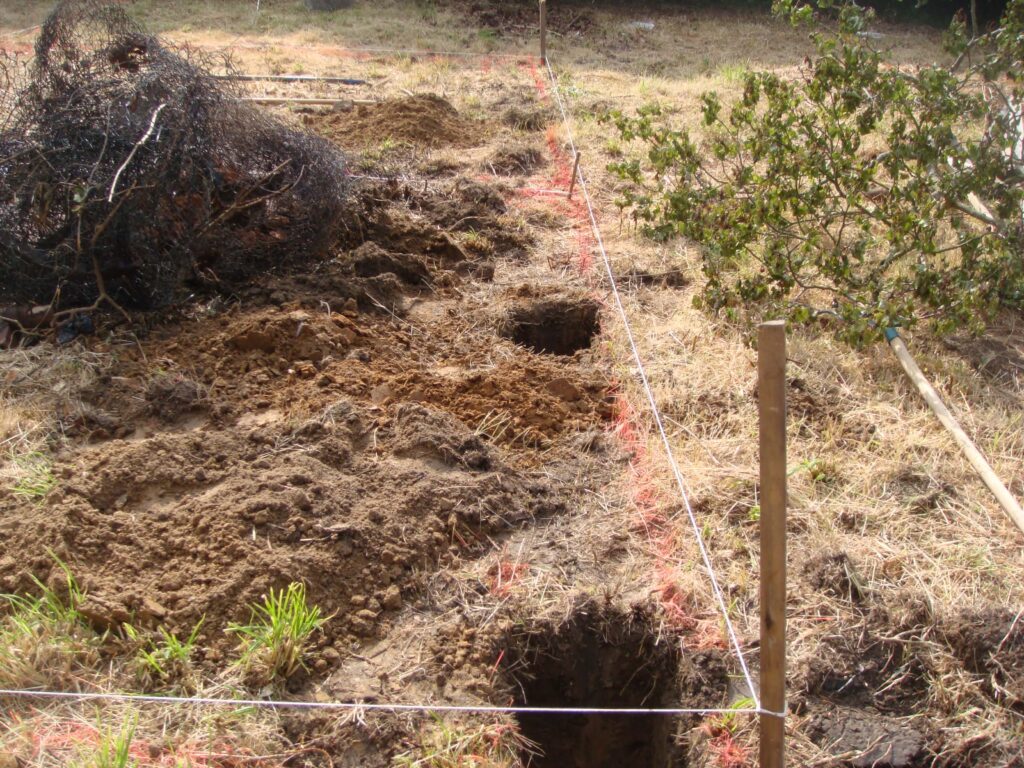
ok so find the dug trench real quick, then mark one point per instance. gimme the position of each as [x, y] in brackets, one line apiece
[603, 658]
[373, 425]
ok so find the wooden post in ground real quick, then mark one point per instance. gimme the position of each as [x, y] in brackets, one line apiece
[771, 387]
[544, 31]
[575, 171]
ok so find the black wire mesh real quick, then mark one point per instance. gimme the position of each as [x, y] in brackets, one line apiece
[124, 165]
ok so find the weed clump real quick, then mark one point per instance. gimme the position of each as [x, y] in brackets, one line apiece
[164, 658]
[276, 638]
[44, 639]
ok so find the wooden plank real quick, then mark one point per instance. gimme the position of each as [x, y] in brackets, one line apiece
[294, 79]
[771, 378]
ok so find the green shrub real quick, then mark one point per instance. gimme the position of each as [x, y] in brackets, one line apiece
[859, 195]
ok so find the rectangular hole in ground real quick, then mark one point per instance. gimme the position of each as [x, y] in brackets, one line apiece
[601, 662]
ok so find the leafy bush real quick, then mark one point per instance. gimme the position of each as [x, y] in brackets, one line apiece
[860, 194]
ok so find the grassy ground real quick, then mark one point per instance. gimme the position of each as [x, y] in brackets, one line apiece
[896, 548]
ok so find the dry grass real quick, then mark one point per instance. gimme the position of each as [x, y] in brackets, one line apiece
[874, 476]
[75, 735]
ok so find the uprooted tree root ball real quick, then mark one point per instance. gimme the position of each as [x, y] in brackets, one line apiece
[127, 172]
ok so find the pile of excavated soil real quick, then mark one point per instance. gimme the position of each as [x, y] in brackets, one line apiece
[426, 120]
[354, 427]
[513, 18]
[517, 159]
[200, 522]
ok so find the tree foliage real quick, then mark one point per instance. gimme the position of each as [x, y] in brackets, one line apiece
[860, 194]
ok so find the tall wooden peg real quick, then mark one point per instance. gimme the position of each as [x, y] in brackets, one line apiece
[575, 173]
[544, 31]
[771, 387]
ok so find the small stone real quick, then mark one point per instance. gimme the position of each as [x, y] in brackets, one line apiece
[360, 627]
[366, 615]
[563, 389]
[102, 614]
[392, 598]
[381, 394]
[358, 599]
[150, 608]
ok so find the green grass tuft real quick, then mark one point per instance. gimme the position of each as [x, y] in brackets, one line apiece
[36, 478]
[162, 657]
[44, 639]
[274, 641]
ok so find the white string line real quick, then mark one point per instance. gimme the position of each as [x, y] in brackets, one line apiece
[716, 588]
[355, 705]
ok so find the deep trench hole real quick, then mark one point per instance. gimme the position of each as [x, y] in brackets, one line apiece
[557, 327]
[596, 663]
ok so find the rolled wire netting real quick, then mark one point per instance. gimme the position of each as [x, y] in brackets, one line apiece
[125, 166]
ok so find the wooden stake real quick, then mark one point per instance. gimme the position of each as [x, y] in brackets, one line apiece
[575, 172]
[771, 387]
[544, 31]
[1006, 500]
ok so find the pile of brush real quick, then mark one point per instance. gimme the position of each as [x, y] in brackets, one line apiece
[129, 174]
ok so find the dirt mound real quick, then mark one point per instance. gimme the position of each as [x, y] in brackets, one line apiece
[835, 575]
[478, 211]
[426, 120]
[201, 523]
[516, 160]
[515, 18]
[870, 740]
[991, 643]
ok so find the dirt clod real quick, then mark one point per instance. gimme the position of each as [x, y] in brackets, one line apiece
[516, 159]
[835, 575]
[991, 643]
[868, 740]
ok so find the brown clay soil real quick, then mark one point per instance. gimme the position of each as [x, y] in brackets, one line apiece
[424, 119]
[351, 426]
